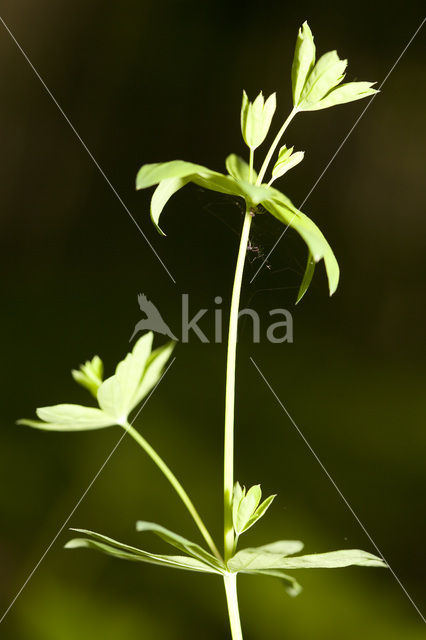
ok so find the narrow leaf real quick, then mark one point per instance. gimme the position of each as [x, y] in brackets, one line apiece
[347, 92]
[333, 559]
[327, 73]
[117, 549]
[239, 169]
[151, 174]
[307, 278]
[270, 556]
[303, 61]
[152, 372]
[116, 394]
[69, 417]
[90, 375]
[181, 543]
[285, 211]
[290, 584]
[286, 161]
[165, 190]
[260, 511]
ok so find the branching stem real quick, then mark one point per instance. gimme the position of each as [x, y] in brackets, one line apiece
[274, 146]
[175, 484]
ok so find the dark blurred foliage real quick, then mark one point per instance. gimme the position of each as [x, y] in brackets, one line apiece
[150, 81]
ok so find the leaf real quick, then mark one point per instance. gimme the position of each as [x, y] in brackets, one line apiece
[182, 544]
[90, 374]
[286, 161]
[256, 118]
[246, 508]
[126, 552]
[283, 209]
[116, 395]
[289, 583]
[347, 92]
[303, 61]
[334, 559]
[69, 417]
[327, 73]
[237, 495]
[269, 556]
[261, 558]
[151, 174]
[307, 278]
[239, 169]
[162, 195]
[153, 371]
[260, 511]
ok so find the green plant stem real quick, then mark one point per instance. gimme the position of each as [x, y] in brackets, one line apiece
[251, 165]
[274, 146]
[228, 475]
[175, 484]
[232, 602]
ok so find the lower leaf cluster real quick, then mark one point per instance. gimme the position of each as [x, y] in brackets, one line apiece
[272, 559]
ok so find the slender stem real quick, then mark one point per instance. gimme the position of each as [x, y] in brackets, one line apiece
[175, 484]
[251, 165]
[232, 601]
[274, 146]
[228, 476]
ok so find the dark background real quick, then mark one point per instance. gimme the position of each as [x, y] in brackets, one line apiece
[151, 81]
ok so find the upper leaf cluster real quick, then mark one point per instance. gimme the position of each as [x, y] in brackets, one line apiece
[117, 396]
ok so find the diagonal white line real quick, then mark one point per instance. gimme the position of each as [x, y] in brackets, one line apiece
[92, 157]
[338, 490]
[80, 500]
[339, 148]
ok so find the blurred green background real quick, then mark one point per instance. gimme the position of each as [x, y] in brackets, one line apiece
[149, 81]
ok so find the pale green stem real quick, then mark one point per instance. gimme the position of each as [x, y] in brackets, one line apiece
[251, 165]
[228, 476]
[175, 484]
[232, 601]
[274, 146]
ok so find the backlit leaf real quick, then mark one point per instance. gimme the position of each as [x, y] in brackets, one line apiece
[307, 278]
[181, 543]
[119, 550]
[303, 61]
[69, 417]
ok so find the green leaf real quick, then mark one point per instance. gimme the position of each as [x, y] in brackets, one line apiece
[153, 371]
[347, 92]
[116, 396]
[151, 174]
[260, 511]
[239, 169]
[327, 73]
[181, 543]
[69, 417]
[283, 209]
[162, 195]
[126, 552]
[275, 557]
[238, 494]
[307, 278]
[269, 556]
[246, 508]
[303, 61]
[286, 161]
[256, 118]
[334, 559]
[290, 584]
[90, 375]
